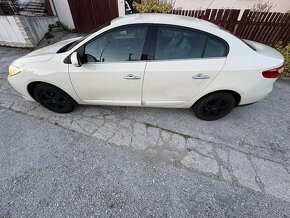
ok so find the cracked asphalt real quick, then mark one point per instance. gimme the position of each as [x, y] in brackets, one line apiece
[245, 155]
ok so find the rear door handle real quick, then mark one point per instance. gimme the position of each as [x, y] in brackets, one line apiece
[201, 76]
[132, 77]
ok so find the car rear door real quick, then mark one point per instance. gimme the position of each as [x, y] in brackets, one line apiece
[113, 69]
[182, 62]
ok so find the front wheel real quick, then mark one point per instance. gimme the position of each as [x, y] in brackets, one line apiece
[53, 98]
[214, 106]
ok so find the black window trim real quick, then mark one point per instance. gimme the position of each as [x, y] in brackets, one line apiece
[145, 48]
[207, 34]
[148, 51]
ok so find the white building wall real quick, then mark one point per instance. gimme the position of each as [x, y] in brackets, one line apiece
[279, 5]
[121, 6]
[64, 13]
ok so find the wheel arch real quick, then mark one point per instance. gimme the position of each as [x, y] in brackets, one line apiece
[236, 95]
[31, 86]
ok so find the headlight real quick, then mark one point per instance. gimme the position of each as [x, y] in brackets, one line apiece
[12, 70]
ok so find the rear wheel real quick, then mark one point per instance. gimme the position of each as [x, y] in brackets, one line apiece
[53, 98]
[214, 106]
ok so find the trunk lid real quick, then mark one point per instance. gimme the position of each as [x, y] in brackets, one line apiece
[266, 50]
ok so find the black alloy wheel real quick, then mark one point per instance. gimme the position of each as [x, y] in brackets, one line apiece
[53, 98]
[214, 106]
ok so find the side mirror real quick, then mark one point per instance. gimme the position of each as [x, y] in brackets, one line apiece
[75, 59]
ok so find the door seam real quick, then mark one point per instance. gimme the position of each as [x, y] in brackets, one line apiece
[73, 84]
[142, 90]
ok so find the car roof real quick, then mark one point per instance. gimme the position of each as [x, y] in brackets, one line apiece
[161, 19]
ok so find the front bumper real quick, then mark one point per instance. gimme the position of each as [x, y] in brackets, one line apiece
[17, 83]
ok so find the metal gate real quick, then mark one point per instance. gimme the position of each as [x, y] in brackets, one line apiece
[90, 14]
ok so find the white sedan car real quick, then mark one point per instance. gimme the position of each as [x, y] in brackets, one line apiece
[150, 60]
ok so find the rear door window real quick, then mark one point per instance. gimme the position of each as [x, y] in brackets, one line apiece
[184, 43]
[179, 43]
[215, 48]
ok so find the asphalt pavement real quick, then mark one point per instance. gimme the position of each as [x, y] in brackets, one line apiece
[48, 171]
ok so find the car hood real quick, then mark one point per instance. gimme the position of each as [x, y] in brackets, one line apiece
[43, 54]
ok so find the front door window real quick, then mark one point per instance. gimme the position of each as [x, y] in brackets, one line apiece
[125, 44]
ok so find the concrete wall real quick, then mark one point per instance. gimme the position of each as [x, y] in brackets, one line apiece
[279, 5]
[38, 26]
[63, 12]
[22, 31]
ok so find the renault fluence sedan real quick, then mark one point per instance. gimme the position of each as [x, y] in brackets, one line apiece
[150, 60]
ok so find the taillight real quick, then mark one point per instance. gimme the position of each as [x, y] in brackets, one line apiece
[274, 73]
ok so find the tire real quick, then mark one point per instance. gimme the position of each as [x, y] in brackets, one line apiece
[214, 106]
[53, 98]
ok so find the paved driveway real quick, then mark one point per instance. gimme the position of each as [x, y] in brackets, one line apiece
[48, 171]
[248, 148]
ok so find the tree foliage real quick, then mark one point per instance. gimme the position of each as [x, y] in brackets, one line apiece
[263, 6]
[154, 6]
[285, 51]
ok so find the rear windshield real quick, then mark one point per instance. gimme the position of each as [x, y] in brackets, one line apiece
[252, 47]
[73, 44]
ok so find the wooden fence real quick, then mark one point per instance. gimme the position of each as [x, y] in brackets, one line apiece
[90, 14]
[265, 27]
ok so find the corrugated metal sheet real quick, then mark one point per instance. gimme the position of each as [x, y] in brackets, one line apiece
[9, 31]
[38, 26]
[23, 31]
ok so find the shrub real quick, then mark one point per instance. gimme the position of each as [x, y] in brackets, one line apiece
[60, 24]
[66, 28]
[154, 6]
[285, 51]
[51, 26]
[48, 35]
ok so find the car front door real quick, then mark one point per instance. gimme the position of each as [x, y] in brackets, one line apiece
[183, 62]
[112, 71]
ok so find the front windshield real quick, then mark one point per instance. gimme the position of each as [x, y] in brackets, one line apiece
[73, 44]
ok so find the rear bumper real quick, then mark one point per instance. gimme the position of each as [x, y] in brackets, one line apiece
[258, 93]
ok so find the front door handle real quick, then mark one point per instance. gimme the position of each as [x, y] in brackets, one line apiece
[132, 77]
[201, 76]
